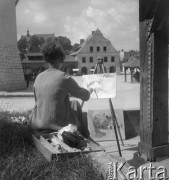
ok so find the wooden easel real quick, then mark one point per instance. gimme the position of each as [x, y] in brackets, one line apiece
[113, 115]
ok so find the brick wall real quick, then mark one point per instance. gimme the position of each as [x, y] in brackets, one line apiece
[11, 72]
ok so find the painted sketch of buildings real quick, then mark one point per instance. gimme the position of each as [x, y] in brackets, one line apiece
[104, 85]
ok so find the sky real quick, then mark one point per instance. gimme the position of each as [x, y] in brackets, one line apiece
[76, 19]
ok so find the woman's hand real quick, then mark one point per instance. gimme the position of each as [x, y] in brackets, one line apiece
[90, 90]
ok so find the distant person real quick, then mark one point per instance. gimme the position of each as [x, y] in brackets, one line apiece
[27, 74]
[53, 109]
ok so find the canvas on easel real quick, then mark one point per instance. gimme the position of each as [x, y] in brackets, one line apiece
[104, 85]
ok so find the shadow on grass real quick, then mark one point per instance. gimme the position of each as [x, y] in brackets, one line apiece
[14, 135]
[21, 161]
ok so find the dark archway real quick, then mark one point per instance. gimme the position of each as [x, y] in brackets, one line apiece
[84, 70]
[112, 69]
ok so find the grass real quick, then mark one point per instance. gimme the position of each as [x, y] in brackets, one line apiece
[19, 160]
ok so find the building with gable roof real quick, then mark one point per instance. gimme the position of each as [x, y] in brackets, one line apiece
[94, 46]
[36, 62]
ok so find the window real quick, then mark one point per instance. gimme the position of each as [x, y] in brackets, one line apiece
[104, 48]
[105, 59]
[83, 59]
[112, 59]
[98, 49]
[91, 48]
[91, 59]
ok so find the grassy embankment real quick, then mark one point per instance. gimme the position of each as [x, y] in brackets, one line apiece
[19, 160]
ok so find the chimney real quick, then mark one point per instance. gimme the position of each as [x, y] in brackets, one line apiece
[81, 41]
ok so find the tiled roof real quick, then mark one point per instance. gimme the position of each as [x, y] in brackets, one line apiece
[75, 51]
[33, 62]
[79, 49]
[69, 58]
[84, 43]
[34, 54]
[134, 61]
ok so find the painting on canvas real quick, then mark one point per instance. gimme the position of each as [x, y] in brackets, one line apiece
[104, 85]
[100, 124]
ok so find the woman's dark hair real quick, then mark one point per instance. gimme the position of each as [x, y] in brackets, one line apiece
[52, 52]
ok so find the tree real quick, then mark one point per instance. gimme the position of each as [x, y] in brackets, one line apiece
[36, 43]
[23, 45]
[76, 45]
[65, 43]
[42, 41]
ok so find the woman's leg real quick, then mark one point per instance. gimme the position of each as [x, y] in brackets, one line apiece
[80, 122]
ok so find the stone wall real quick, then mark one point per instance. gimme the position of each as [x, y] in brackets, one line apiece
[11, 72]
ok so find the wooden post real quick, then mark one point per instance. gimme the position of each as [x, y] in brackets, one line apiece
[131, 73]
[153, 90]
[125, 73]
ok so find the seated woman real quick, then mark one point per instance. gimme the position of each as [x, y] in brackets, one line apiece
[53, 109]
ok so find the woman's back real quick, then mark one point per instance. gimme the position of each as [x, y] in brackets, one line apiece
[51, 93]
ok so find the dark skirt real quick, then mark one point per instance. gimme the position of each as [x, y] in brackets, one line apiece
[80, 121]
[74, 116]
